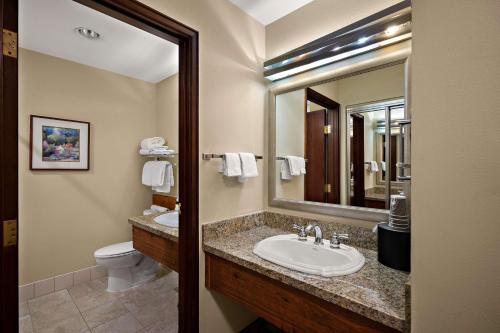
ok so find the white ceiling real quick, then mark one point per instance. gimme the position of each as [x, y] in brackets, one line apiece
[268, 11]
[48, 27]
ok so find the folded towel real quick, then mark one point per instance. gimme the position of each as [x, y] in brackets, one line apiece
[168, 181]
[152, 142]
[153, 173]
[372, 166]
[231, 165]
[285, 170]
[148, 212]
[297, 165]
[159, 209]
[248, 166]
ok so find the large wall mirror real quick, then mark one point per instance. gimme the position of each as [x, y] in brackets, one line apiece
[337, 146]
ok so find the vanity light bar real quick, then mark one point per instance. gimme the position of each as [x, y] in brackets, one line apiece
[389, 26]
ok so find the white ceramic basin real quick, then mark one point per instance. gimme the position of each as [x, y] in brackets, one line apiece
[304, 256]
[170, 219]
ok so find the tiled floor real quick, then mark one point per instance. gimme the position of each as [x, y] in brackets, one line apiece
[88, 307]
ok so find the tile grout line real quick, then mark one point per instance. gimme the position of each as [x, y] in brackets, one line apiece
[130, 312]
[80, 312]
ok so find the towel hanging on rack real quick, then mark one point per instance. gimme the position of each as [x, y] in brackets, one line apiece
[168, 180]
[248, 166]
[153, 173]
[231, 165]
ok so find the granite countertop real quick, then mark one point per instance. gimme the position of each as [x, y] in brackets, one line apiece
[146, 222]
[376, 292]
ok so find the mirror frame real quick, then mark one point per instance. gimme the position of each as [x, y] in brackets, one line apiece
[389, 56]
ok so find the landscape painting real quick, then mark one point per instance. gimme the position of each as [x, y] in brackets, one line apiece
[60, 144]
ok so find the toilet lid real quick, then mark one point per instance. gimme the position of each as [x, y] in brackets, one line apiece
[114, 250]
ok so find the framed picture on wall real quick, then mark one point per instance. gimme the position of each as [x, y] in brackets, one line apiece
[59, 144]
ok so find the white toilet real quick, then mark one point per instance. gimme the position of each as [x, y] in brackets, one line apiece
[126, 266]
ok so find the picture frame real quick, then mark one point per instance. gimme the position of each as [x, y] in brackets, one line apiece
[59, 144]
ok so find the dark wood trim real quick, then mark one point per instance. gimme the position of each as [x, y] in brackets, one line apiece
[62, 119]
[166, 201]
[8, 173]
[358, 159]
[288, 308]
[332, 141]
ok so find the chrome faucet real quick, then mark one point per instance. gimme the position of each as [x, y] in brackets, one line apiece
[304, 231]
[301, 232]
[336, 240]
[318, 234]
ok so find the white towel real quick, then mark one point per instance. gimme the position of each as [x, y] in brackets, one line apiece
[382, 164]
[153, 173]
[152, 142]
[158, 209]
[168, 181]
[297, 165]
[248, 166]
[154, 210]
[231, 165]
[285, 170]
[373, 166]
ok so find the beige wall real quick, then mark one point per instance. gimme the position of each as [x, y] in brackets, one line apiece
[316, 19]
[232, 96]
[290, 140]
[65, 216]
[456, 145]
[167, 118]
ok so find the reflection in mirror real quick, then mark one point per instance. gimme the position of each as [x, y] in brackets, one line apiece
[332, 145]
[372, 159]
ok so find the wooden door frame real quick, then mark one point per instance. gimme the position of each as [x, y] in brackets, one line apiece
[9, 279]
[334, 174]
[152, 21]
[358, 160]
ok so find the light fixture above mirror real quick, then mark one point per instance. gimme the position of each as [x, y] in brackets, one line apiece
[389, 26]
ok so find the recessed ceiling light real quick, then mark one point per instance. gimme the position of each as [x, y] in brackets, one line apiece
[88, 33]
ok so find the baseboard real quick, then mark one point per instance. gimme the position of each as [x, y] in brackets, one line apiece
[59, 282]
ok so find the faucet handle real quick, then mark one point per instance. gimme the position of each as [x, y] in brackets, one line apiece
[336, 240]
[301, 232]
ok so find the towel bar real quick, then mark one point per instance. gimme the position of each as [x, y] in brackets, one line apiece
[208, 157]
[284, 158]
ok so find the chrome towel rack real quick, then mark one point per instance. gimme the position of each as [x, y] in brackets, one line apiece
[279, 158]
[208, 157]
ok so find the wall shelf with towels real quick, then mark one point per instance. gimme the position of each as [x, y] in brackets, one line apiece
[160, 156]
[208, 157]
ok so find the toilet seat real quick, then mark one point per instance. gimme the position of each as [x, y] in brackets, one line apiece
[115, 250]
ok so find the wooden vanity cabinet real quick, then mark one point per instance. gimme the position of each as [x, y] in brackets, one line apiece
[288, 308]
[163, 250]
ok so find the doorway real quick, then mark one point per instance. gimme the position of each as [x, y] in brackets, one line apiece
[138, 15]
[322, 149]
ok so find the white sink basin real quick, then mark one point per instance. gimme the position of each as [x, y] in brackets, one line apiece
[306, 257]
[170, 219]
